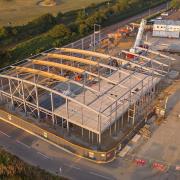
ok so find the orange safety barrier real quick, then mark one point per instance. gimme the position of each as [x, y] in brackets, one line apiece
[159, 166]
[141, 162]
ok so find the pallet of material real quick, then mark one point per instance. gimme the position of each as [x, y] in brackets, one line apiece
[145, 132]
[136, 138]
[124, 151]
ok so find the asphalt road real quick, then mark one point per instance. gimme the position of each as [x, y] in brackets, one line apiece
[40, 153]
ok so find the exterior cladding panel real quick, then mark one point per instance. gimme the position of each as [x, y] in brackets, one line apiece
[168, 34]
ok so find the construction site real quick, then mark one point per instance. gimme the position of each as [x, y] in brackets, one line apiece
[93, 93]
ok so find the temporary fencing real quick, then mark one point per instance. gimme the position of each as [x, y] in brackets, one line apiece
[140, 162]
[159, 166]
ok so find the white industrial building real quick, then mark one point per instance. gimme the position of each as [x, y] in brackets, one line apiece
[166, 28]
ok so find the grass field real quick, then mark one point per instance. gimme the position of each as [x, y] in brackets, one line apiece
[21, 11]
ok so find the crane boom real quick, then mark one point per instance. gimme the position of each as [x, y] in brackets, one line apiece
[139, 36]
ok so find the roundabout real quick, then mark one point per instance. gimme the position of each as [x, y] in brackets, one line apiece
[47, 3]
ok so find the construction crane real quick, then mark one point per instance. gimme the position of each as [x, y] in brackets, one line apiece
[139, 37]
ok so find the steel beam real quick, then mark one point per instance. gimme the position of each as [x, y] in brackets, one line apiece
[157, 53]
[145, 58]
[55, 92]
[103, 56]
[41, 73]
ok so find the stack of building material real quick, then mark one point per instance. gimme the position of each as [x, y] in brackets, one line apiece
[124, 151]
[160, 120]
[136, 138]
[145, 132]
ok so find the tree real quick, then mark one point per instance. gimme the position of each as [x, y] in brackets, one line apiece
[81, 16]
[123, 5]
[59, 31]
[83, 29]
[5, 32]
[40, 24]
[175, 3]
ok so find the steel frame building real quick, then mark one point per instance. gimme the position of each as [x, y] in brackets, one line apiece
[95, 92]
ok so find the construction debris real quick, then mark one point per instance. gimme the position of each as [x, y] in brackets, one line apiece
[124, 151]
[173, 74]
[136, 138]
[145, 132]
[160, 120]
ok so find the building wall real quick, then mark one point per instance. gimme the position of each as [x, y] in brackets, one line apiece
[168, 34]
[162, 30]
[162, 27]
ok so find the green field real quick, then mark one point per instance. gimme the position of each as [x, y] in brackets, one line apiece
[21, 11]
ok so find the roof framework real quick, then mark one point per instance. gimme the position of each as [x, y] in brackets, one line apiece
[103, 56]
[72, 58]
[57, 65]
[145, 58]
[84, 61]
[41, 73]
[157, 53]
[70, 68]
[112, 86]
[73, 69]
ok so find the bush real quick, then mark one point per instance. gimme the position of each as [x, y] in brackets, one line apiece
[40, 25]
[175, 3]
[13, 168]
[59, 31]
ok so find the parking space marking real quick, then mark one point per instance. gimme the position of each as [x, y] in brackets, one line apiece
[4, 134]
[96, 174]
[46, 157]
[25, 145]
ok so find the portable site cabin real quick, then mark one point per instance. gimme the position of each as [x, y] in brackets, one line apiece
[166, 28]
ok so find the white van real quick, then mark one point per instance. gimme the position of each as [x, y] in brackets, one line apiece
[164, 14]
[159, 18]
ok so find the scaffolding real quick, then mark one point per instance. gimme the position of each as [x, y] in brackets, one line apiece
[98, 93]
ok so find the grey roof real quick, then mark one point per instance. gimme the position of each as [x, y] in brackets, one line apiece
[167, 22]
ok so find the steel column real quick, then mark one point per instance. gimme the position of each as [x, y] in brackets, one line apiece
[84, 90]
[82, 118]
[115, 125]
[37, 101]
[23, 92]
[10, 88]
[52, 108]
[67, 114]
[1, 88]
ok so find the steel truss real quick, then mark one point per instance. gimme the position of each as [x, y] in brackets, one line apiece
[23, 87]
